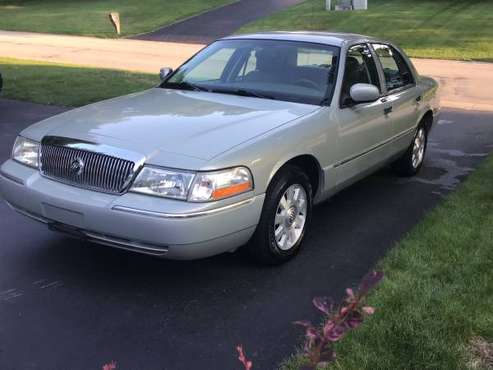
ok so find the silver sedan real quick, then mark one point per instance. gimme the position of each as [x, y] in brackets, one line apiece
[231, 150]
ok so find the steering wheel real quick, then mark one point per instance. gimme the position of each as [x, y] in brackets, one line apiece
[305, 82]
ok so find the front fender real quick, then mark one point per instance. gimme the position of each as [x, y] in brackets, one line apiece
[309, 136]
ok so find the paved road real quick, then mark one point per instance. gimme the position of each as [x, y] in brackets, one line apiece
[464, 85]
[217, 23]
[66, 304]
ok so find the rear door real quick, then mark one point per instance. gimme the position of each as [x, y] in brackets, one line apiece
[401, 93]
[364, 128]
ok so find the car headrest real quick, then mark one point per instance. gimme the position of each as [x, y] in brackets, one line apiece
[352, 64]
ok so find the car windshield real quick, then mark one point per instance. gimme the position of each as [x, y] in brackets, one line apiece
[270, 69]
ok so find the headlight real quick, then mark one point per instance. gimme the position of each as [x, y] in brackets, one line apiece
[162, 182]
[26, 152]
[195, 187]
[220, 184]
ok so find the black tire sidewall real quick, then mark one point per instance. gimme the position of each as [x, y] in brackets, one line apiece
[265, 245]
[404, 165]
[415, 170]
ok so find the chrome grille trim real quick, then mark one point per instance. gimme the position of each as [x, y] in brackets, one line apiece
[88, 165]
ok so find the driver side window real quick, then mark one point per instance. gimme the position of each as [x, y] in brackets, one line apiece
[360, 68]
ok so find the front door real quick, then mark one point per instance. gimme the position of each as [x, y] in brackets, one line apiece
[363, 129]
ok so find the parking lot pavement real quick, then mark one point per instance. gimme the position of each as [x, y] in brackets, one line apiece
[67, 304]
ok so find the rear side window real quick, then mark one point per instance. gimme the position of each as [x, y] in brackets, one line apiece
[360, 68]
[396, 71]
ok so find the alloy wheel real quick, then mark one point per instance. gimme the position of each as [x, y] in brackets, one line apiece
[290, 218]
[419, 146]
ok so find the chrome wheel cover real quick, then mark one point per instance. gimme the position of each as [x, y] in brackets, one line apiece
[419, 146]
[290, 217]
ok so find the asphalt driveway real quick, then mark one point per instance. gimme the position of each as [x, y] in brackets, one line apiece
[66, 304]
[217, 23]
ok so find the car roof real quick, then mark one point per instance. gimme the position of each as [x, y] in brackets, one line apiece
[328, 38]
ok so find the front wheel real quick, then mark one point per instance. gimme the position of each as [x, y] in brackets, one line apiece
[412, 160]
[285, 217]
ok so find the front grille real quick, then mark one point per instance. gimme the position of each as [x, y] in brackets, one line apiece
[91, 170]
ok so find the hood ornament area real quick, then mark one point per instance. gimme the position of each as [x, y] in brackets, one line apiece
[77, 166]
[92, 166]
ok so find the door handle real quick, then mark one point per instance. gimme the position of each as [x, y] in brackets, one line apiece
[387, 110]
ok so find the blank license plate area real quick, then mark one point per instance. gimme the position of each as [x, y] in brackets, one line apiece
[63, 216]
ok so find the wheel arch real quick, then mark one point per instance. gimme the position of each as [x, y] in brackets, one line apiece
[308, 164]
[427, 120]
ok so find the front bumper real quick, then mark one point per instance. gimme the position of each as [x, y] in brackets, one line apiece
[163, 227]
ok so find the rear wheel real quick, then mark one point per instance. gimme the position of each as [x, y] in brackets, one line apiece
[285, 216]
[412, 160]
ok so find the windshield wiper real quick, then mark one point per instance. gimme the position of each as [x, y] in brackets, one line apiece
[242, 92]
[185, 85]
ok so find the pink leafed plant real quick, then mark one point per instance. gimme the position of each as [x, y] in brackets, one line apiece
[247, 364]
[110, 366]
[319, 341]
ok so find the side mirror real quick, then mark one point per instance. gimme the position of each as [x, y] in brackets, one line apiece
[165, 72]
[364, 93]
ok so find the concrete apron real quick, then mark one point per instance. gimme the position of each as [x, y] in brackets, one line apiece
[464, 85]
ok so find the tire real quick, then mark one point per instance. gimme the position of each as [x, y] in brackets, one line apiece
[281, 228]
[412, 160]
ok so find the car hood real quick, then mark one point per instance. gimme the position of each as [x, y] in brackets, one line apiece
[194, 124]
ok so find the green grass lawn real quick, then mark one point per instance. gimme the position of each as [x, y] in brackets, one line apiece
[90, 18]
[438, 291]
[59, 84]
[446, 29]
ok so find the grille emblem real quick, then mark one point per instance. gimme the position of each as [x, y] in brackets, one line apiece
[77, 166]
[87, 165]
